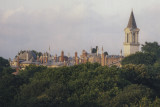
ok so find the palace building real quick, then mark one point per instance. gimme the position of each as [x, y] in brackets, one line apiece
[131, 46]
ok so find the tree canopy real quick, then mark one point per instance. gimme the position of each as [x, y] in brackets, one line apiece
[140, 58]
[153, 48]
[150, 55]
[135, 84]
[4, 62]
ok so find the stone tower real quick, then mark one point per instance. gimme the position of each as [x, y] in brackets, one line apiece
[131, 44]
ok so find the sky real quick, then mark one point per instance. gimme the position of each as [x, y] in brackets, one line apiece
[74, 25]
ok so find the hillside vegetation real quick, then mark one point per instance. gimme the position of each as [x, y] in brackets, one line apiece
[135, 84]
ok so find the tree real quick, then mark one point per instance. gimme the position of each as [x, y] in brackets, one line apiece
[9, 87]
[153, 48]
[105, 53]
[156, 102]
[131, 95]
[140, 58]
[81, 85]
[4, 62]
[30, 71]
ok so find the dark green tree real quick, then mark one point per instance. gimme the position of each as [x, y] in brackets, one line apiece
[140, 58]
[131, 96]
[153, 48]
[105, 53]
[9, 88]
[4, 62]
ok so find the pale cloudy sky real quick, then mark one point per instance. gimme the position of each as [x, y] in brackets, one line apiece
[73, 25]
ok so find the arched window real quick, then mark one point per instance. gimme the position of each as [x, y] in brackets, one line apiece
[127, 38]
[133, 37]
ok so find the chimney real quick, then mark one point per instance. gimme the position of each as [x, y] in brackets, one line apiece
[55, 58]
[46, 58]
[121, 55]
[37, 58]
[49, 52]
[27, 56]
[43, 58]
[75, 56]
[62, 56]
[18, 65]
[97, 50]
[106, 60]
[102, 58]
[77, 61]
[84, 53]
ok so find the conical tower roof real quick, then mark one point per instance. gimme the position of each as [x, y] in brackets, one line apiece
[132, 22]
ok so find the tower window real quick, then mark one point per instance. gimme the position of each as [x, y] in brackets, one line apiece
[127, 38]
[133, 37]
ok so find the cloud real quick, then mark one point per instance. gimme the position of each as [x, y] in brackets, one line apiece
[9, 13]
[72, 27]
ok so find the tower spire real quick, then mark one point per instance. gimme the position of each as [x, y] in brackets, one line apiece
[132, 22]
[131, 44]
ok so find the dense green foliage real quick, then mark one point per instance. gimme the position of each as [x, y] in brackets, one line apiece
[150, 55]
[153, 48]
[4, 62]
[135, 84]
[140, 58]
[9, 84]
[81, 86]
[105, 53]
